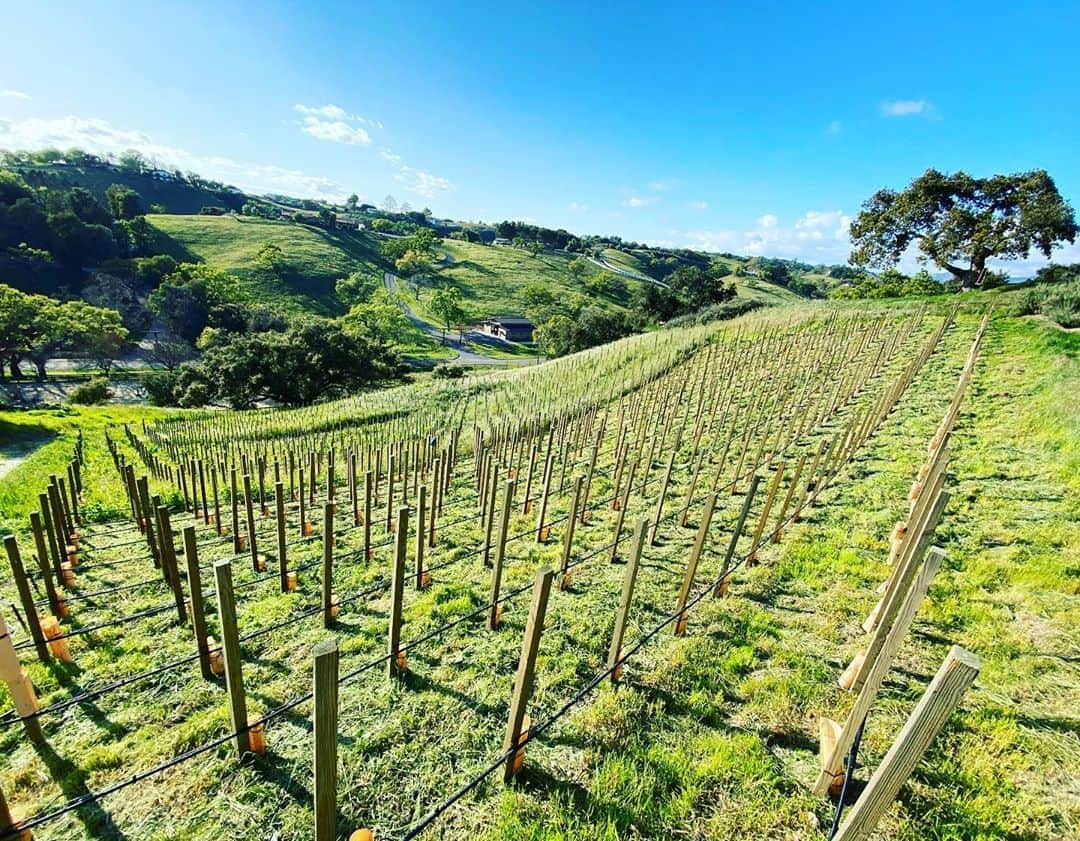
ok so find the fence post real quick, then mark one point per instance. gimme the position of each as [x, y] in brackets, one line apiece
[692, 564]
[168, 560]
[568, 538]
[722, 585]
[660, 500]
[325, 731]
[942, 696]
[252, 541]
[328, 566]
[282, 547]
[395, 663]
[422, 577]
[58, 608]
[26, 597]
[832, 754]
[18, 684]
[500, 554]
[629, 579]
[230, 647]
[198, 612]
[235, 500]
[523, 682]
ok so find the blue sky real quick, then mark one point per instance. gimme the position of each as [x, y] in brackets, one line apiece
[754, 128]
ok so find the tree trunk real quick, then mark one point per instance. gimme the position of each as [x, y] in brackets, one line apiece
[39, 363]
[965, 276]
[16, 373]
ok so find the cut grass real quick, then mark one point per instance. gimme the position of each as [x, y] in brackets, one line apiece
[709, 736]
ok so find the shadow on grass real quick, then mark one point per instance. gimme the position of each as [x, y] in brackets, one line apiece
[72, 782]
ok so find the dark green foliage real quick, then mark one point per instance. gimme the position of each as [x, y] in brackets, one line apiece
[1059, 302]
[956, 218]
[91, 393]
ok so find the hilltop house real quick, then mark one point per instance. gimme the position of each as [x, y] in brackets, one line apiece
[510, 328]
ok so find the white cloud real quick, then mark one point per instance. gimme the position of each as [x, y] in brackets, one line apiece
[698, 205]
[335, 112]
[818, 236]
[834, 128]
[388, 155]
[907, 108]
[639, 201]
[658, 186]
[577, 207]
[13, 94]
[423, 183]
[767, 222]
[335, 131]
[102, 138]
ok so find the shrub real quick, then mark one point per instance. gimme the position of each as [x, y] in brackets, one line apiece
[92, 393]
[448, 372]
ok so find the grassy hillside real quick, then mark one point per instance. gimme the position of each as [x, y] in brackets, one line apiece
[492, 278]
[176, 197]
[711, 735]
[314, 258]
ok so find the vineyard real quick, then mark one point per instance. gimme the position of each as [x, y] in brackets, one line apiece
[562, 601]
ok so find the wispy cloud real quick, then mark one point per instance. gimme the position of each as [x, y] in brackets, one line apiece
[102, 138]
[421, 182]
[577, 207]
[834, 128]
[698, 205]
[659, 186]
[908, 108]
[333, 123]
[388, 155]
[818, 236]
[13, 94]
[639, 201]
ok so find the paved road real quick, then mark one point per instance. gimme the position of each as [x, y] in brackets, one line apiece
[604, 264]
[465, 356]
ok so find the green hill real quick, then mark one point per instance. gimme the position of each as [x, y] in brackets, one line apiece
[314, 258]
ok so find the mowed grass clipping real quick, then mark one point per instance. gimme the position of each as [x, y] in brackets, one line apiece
[711, 736]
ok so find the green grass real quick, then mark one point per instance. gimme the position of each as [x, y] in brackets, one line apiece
[492, 278]
[710, 736]
[314, 259]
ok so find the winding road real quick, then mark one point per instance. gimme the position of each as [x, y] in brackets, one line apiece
[465, 356]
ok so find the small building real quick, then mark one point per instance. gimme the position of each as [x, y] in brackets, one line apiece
[501, 241]
[510, 328]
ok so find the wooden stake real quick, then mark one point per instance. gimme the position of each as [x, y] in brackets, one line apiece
[421, 536]
[395, 663]
[230, 648]
[625, 600]
[692, 564]
[168, 561]
[500, 554]
[26, 597]
[328, 565]
[942, 696]
[282, 547]
[198, 610]
[721, 587]
[523, 682]
[325, 733]
[568, 537]
[18, 684]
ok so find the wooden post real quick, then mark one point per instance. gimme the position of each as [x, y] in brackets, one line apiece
[421, 535]
[198, 611]
[489, 513]
[523, 682]
[541, 530]
[721, 587]
[59, 609]
[367, 515]
[18, 684]
[26, 597]
[500, 554]
[282, 547]
[942, 696]
[832, 760]
[234, 498]
[168, 561]
[765, 509]
[328, 565]
[660, 500]
[230, 648]
[55, 549]
[622, 506]
[568, 537]
[692, 564]
[395, 664]
[252, 541]
[325, 732]
[623, 614]
[217, 502]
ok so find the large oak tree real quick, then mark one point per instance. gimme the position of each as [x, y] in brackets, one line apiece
[959, 222]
